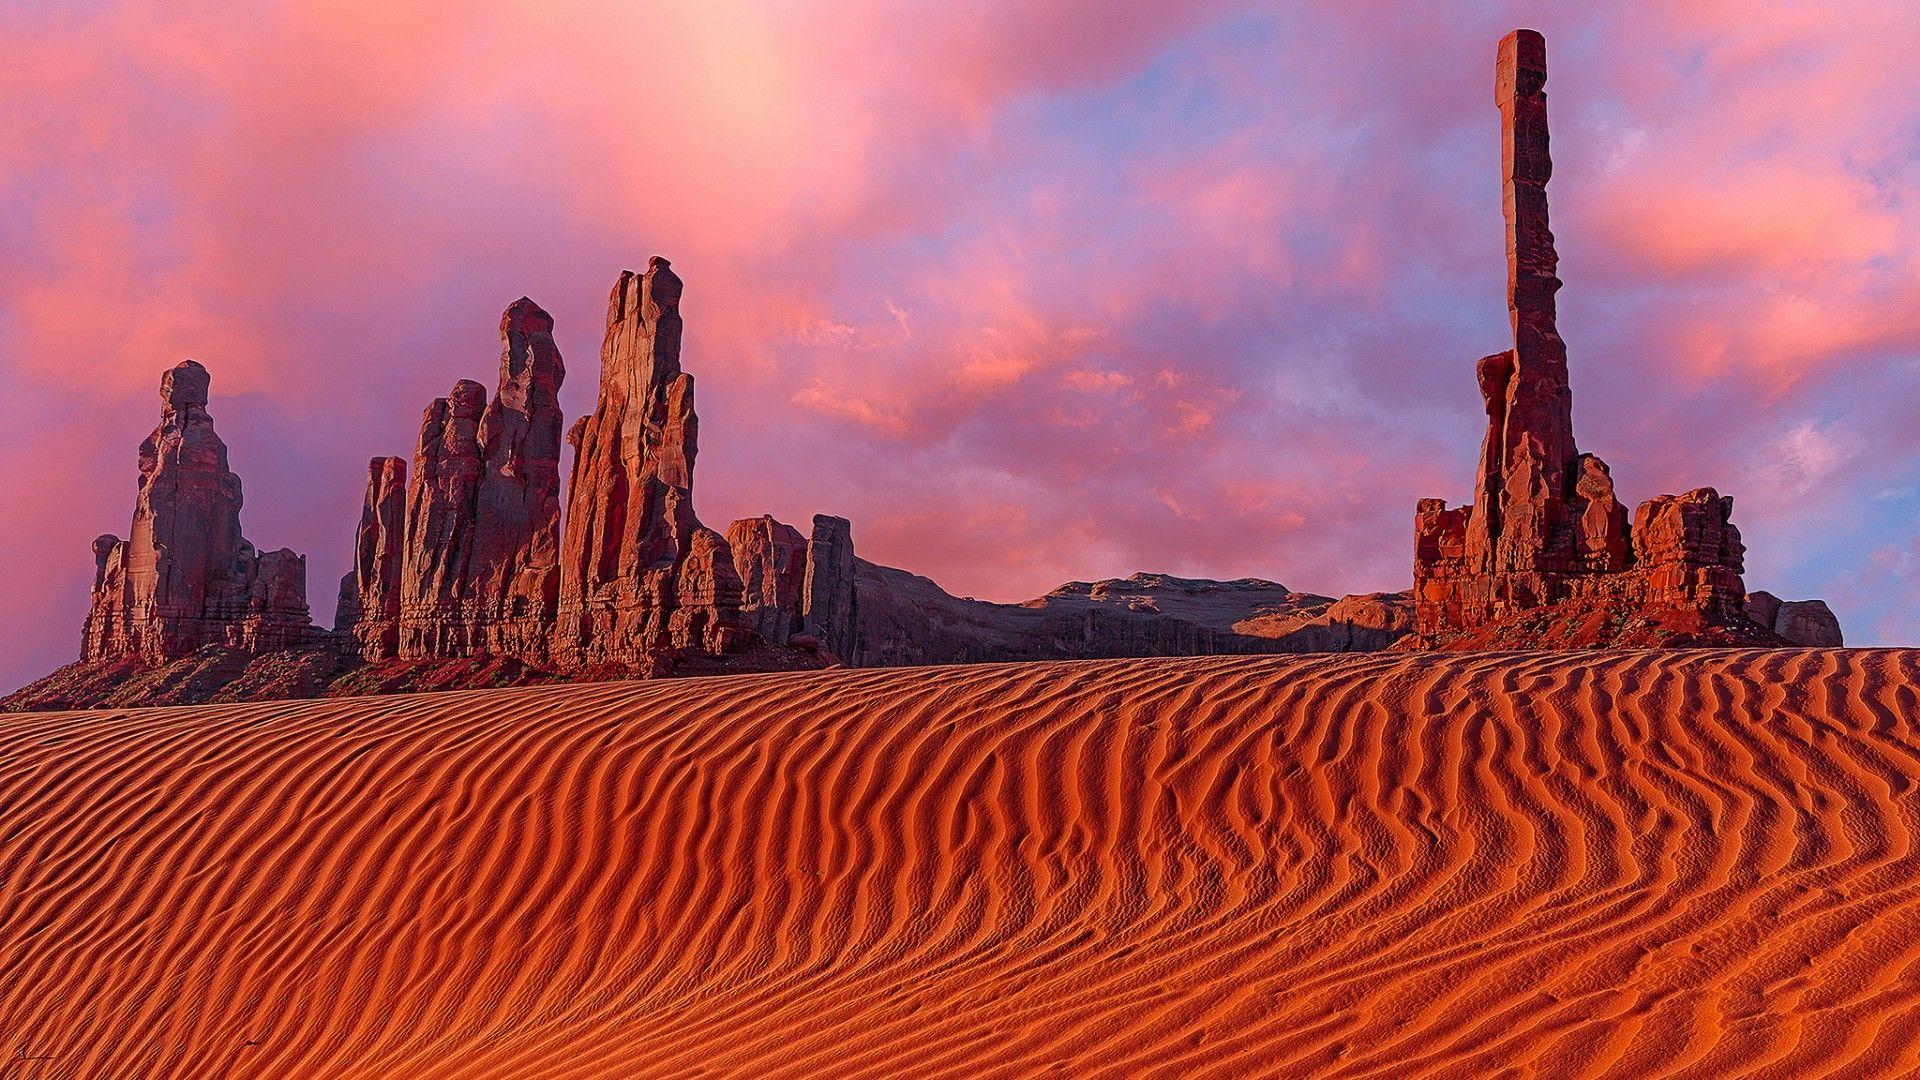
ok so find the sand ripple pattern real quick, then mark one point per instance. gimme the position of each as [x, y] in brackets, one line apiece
[1642, 864]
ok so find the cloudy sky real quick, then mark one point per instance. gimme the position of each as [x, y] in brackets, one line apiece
[1031, 291]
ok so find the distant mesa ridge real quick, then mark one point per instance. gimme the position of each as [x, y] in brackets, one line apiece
[468, 571]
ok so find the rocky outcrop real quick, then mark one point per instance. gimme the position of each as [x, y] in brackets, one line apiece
[368, 615]
[186, 577]
[770, 559]
[1545, 529]
[1806, 623]
[630, 526]
[829, 604]
[634, 583]
[1690, 553]
[470, 565]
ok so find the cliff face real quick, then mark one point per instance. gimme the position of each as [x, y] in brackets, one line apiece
[1546, 532]
[186, 577]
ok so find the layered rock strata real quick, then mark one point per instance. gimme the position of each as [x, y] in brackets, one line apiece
[186, 578]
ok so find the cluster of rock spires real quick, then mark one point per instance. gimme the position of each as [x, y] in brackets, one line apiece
[468, 571]
[1545, 555]
[473, 555]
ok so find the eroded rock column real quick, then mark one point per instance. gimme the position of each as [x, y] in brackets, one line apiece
[630, 524]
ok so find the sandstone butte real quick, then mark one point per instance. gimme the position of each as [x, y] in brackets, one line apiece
[186, 578]
[1545, 555]
[468, 571]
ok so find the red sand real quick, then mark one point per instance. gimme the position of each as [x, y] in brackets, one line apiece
[1630, 864]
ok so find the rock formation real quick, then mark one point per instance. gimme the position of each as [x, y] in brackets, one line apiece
[368, 615]
[770, 559]
[829, 609]
[466, 572]
[467, 561]
[457, 571]
[1545, 529]
[1807, 623]
[474, 562]
[514, 571]
[436, 614]
[639, 573]
[186, 578]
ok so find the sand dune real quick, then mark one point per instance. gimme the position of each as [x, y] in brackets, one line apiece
[1635, 864]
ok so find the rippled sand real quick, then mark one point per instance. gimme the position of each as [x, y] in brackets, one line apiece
[1636, 864]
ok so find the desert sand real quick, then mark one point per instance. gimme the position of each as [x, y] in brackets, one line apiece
[1695, 863]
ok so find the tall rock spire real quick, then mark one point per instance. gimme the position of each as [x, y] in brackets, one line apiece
[516, 552]
[441, 502]
[186, 577]
[481, 566]
[1521, 494]
[368, 615]
[630, 525]
[1545, 526]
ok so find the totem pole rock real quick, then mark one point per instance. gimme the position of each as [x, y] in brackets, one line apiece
[1545, 528]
